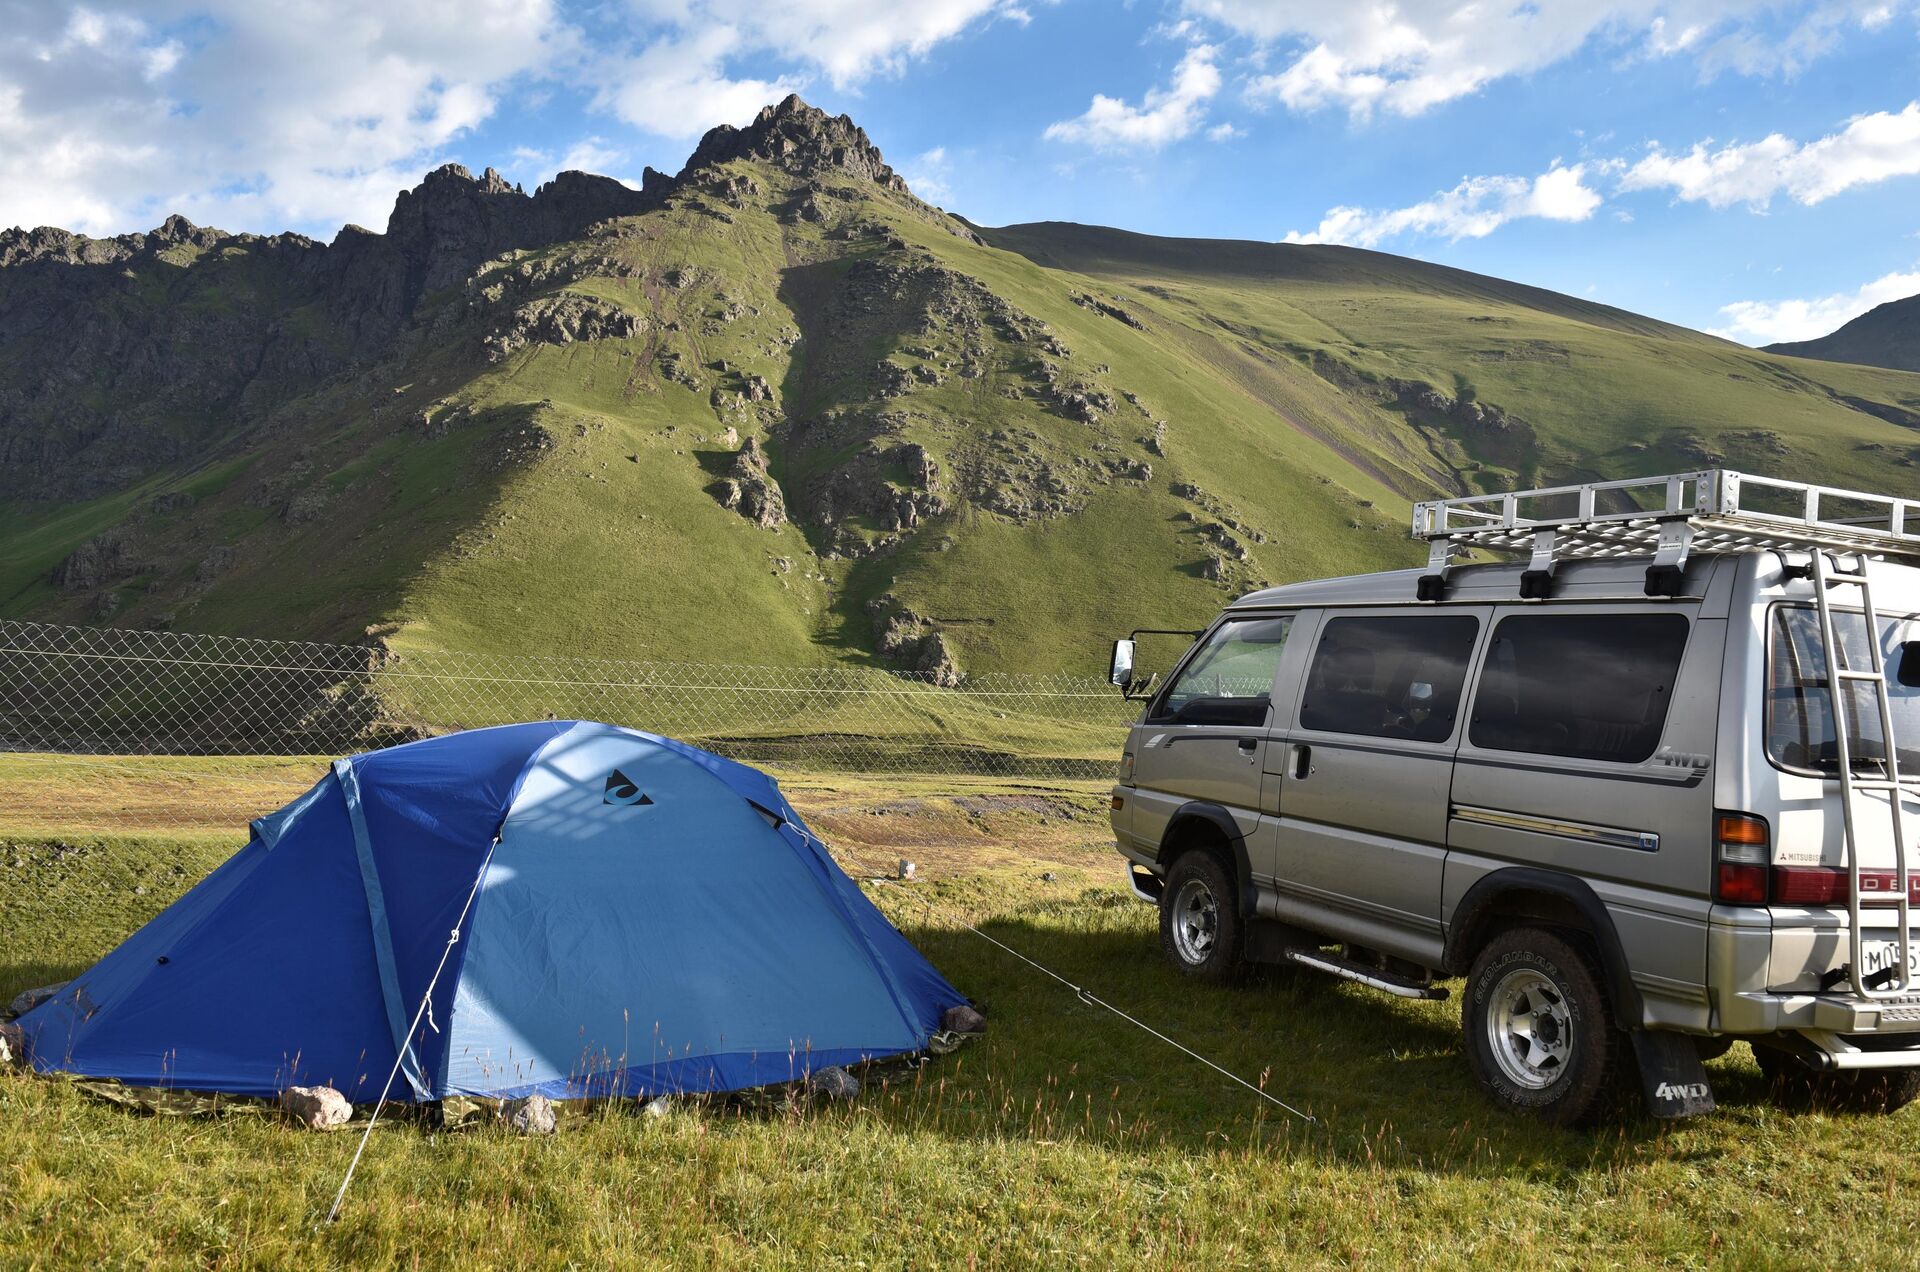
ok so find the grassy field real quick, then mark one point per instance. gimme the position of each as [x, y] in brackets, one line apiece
[1065, 1137]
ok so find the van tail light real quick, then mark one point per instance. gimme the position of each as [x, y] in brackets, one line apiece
[1827, 885]
[1809, 885]
[1741, 847]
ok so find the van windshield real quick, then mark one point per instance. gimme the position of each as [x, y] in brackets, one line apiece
[1236, 668]
[1800, 732]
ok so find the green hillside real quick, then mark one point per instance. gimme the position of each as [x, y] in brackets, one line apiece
[778, 410]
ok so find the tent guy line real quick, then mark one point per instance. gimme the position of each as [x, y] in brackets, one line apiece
[1092, 999]
[426, 1003]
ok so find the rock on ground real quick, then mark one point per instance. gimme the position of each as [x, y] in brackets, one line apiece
[834, 1083]
[318, 1108]
[529, 1115]
[962, 1019]
[27, 999]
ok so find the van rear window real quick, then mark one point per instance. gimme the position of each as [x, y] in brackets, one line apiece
[1389, 677]
[1586, 686]
[1800, 733]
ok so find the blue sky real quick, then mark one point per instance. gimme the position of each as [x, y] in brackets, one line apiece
[1741, 166]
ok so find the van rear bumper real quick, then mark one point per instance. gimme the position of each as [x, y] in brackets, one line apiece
[1747, 955]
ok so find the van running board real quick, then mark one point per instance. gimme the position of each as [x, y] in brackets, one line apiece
[1372, 977]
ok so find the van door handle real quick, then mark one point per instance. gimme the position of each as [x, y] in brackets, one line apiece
[1249, 747]
[1302, 760]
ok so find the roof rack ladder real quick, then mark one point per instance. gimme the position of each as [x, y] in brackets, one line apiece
[1840, 678]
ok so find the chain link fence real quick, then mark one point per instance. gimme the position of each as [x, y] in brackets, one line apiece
[132, 761]
[117, 692]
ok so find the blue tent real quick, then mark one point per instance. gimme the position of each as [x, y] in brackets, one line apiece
[634, 916]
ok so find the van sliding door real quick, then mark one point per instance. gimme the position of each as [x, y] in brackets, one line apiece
[1366, 771]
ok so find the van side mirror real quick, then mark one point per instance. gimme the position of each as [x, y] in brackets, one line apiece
[1120, 666]
[1908, 671]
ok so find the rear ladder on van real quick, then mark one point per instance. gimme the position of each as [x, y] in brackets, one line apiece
[1717, 510]
[1898, 979]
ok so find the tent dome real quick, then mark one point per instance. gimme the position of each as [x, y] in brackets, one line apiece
[634, 916]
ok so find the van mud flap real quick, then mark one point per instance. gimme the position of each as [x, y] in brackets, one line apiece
[1671, 1075]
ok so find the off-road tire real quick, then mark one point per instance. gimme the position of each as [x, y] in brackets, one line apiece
[1578, 1074]
[1218, 959]
[1792, 1085]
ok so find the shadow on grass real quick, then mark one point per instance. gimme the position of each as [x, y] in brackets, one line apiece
[1384, 1077]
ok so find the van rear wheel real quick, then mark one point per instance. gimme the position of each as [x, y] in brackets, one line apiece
[1538, 1028]
[1792, 1085]
[1200, 928]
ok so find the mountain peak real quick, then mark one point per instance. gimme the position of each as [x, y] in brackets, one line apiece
[1887, 335]
[802, 139]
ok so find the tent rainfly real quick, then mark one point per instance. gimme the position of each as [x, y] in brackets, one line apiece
[567, 908]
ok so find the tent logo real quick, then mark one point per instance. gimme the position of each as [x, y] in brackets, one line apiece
[624, 791]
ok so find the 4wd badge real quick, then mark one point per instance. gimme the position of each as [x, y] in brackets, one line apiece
[624, 791]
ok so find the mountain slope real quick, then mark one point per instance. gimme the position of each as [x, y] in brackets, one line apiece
[777, 409]
[1885, 336]
[1568, 388]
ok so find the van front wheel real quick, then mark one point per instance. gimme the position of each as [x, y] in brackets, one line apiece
[1199, 920]
[1538, 1027]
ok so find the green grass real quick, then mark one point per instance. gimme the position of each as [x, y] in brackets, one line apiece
[1064, 1138]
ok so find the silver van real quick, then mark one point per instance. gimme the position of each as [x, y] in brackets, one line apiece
[1642, 790]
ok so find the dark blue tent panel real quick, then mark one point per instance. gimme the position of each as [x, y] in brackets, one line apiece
[635, 916]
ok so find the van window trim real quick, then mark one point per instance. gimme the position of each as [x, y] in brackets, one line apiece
[1556, 762]
[1766, 673]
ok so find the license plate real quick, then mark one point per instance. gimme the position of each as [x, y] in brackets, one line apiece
[1877, 956]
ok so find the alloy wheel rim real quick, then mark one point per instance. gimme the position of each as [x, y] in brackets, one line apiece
[1530, 1029]
[1196, 921]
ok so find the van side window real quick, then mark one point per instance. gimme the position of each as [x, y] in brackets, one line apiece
[1389, 677]
[1586, 686]
[1229, 681]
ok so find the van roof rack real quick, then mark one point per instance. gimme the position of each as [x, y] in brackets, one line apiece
[1667, 518]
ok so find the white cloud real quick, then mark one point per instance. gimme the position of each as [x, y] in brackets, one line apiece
[1769, 321]
[1473, 209]
[679, 84]
[678, 87]
[256, 115]
[1406, 57]
[850, 40]
[533, 167]
[236, 112]
[1870, 149]
[1164, 115]
[930, 175]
